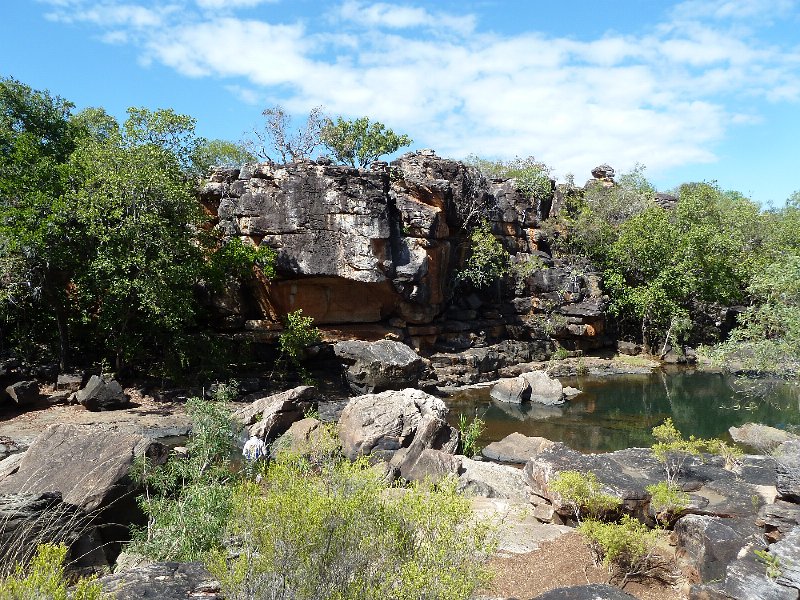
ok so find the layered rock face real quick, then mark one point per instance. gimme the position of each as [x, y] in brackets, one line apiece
[372, 254]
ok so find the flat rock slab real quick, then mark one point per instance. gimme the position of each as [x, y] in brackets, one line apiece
[519, 532]
[516, 448]
[166, 581]
[89, 466]
[626, 473]
[483, 478]
[594, 591]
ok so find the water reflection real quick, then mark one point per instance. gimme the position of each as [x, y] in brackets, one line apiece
[620, 411]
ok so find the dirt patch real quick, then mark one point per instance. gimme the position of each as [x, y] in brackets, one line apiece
[566, 561]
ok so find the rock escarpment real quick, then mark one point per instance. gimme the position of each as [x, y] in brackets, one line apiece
[372, 254]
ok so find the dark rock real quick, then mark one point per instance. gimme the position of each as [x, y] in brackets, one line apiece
[379, 366]
[787, 470]
[380, 424]
[427, 465]
[23, 392]
[787, 551]
[780, 518]
[102, 394]
[709, 544]
[166, 581]
[603, 171]
[665, 201]
[516, 448]
[59, 398]
[629, 348]
[593, 591]
[514, 391]
[745, 579]
[70, 382]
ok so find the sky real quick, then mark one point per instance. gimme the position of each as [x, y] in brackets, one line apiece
[697, 90]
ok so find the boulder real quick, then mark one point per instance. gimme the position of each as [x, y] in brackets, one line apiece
[268, 417]
[299, 438]
[603, 171]
[87, 465]
[779, 518]
[23, 392]
[709, 544]
[426, 465]
[9, 465]
[514, 390]
[102, 394]
[787, 551]
[516, 448]
[745, 579]
[483, 478]
[593, 591]
[787, 470]
[519, 532]
[380, 424]
[378, 366]
[544, 389]
[35, 518]
[69, 382]
[760, 437]
[166, 581]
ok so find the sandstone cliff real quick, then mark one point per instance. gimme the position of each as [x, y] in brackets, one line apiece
[373, 253]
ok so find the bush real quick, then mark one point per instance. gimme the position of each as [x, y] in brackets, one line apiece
[334, 530]
[471, 431]
[187, 501]
[582, 493]
[488, 260]
[627, 548]
[298, 333]
[668, 501]
[44, 579]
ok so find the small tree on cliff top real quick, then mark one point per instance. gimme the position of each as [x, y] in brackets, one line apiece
[359, 142]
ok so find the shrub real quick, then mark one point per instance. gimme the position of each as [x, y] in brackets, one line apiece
[667, 501]
[582, 493]
[44, 579]
[488, 260]
[471, 431]
[334, 530]
[298, 333]
[627, 548]
[187, 501]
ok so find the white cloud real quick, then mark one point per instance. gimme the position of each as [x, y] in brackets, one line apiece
[231, 4]
[664, 98]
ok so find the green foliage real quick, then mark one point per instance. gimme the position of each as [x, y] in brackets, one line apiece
[44, 579]
[471, 431]
[771, 563]
[673, 450]
[359, 142]
[582, 493]
[532, 177]
[297, 335]
[334, 530]
[235, 260]
[218, 153]
[627, 548]
[188, 500]
[561, 353]
[488, 260]
[667, 500]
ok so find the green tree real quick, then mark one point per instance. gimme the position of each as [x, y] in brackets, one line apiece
[218, 153]
[359, 142]
[39, 246]
[488, 260]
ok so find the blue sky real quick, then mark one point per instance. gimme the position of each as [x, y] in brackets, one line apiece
[695, 90]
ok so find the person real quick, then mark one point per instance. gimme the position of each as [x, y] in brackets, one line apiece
[254, 449]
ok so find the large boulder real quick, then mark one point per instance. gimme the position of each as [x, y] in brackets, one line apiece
[760, 437]
[269, 416]
[378, 366]
[102, 394]
[516, 448]
[23, 392]
[709, 544]
[87, 465]
[544, 389]
[514, 390]
[490, 480]
[787, 470]
[381, 424]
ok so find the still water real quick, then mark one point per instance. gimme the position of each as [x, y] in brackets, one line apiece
[620, 411]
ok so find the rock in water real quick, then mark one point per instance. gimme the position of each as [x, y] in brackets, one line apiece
[544, 389]
[514, 390]
[102, 394]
